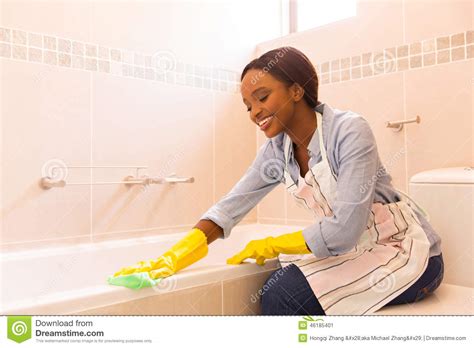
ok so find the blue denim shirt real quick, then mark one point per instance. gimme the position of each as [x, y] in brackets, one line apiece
[361, 180]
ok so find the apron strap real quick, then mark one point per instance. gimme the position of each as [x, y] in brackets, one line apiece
[321, 140]
[290, 184]
[418, 207]
[322, 148]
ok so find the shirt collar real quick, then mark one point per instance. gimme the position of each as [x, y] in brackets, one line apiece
[313, 145]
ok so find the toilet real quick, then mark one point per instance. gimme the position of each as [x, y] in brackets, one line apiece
[447, 195]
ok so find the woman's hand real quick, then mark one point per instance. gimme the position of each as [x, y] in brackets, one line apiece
[260, 250]
[270, 247]
[188, 250]
[163, 266]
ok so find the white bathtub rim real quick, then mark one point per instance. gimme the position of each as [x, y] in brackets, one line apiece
[105, 295]
[118, 243]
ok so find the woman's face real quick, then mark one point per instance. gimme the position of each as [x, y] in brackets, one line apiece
[267, 97]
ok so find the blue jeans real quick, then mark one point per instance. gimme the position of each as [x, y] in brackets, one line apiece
[287, 292]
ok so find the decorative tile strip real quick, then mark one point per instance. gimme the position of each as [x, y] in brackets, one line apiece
[162, 66]
[416, 55]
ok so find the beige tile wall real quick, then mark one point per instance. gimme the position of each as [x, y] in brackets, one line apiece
[97, 103]
[100, 84]
[52, 115]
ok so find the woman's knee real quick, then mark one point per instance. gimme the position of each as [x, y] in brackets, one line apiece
[287, 292]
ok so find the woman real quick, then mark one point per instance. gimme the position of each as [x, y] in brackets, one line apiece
[370, 244]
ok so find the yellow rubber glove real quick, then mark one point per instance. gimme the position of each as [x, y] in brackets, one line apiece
[270, 247]
[188, 250]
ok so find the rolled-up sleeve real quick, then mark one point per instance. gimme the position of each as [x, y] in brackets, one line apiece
[264, 174]
[357, 158]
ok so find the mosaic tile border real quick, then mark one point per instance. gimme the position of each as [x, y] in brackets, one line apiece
[162, 66]
[420, 54]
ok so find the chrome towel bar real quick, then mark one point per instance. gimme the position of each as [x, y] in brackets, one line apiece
[398, 125]
[47, 182]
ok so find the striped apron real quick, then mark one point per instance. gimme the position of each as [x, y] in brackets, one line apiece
[391, 254]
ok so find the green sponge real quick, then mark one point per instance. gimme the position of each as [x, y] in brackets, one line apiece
[134, 281]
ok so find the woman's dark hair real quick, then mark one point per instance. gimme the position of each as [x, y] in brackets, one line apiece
[288, 65]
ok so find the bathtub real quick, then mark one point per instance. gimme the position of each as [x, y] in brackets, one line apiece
[72, 279]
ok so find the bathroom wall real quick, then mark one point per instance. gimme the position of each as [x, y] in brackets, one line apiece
[155, 84]
[393, 61]
[129, 84]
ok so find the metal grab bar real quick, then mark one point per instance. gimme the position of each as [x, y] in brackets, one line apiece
[170, 179]
[398, 125]
[48, 182]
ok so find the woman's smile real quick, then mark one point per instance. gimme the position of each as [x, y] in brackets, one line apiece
[265, 123]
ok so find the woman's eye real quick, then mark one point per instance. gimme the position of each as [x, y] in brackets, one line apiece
[260, 100]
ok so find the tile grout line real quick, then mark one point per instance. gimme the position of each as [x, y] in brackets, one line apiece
[222, 297]
[91, 134]
[213, 147]
[90, 158]
[405, 131]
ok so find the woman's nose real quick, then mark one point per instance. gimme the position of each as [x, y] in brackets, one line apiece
[255, 115]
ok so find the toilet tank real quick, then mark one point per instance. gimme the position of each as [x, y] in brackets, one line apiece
[447, 196]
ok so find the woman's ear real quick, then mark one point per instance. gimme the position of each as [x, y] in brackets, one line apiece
[297, 92]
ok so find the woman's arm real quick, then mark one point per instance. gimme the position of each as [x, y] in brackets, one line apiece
[210, 229]
[263, 175]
